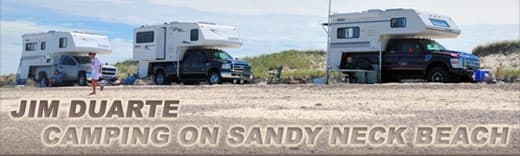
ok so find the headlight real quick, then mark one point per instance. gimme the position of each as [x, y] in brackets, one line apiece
[456, 63]
[226, 66]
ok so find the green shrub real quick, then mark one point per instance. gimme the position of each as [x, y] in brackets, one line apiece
[126, 67]
[296, 64]
[503, 47]
[8, 81]
[510, 75]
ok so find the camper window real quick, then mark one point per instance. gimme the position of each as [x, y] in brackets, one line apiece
[63, 42]
[194, 35]
[30, 46]
[398, 22]
[43, 45]
[348, 32]
[144, 37]
[440, 23]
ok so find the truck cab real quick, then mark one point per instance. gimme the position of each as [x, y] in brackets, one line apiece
[215, 66]
[424, 58]
[212, 65]
[75, 69]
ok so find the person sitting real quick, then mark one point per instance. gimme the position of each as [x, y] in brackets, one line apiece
[130, 80]
[56, 78]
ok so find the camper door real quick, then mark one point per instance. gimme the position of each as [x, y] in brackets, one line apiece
[161, 43]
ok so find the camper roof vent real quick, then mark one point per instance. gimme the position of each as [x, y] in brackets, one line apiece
[375, 11]
[174, 22]
[210, 23]
[52, 31]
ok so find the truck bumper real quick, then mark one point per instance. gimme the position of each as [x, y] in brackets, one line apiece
[229, 75]
[463, 73]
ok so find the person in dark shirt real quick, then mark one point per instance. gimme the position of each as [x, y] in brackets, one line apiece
[56, 78]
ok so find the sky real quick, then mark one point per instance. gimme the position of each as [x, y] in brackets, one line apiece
[265, 26]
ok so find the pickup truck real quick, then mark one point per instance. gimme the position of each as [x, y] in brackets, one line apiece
[202, 65]
[417, 58]
[73, 69]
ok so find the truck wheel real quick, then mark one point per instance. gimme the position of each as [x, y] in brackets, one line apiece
[82, 79]
[438, 74]
[214, 78]
[44, 81]
[251, 78]
[160, 78]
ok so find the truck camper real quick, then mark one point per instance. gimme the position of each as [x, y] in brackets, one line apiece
[397, 44]
[189, 53]
[64, 53]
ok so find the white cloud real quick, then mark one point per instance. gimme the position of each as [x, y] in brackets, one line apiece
[253, 7]
[463, 11]
[11, 43]
[475, 35]
[121, 50]
[138, 12]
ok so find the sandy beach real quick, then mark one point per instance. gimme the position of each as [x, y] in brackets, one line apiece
[408, 105]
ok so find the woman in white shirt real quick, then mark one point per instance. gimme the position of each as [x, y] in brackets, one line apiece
[95, 69]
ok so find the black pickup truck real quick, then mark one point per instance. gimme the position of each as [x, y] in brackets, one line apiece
[416, 58]
[198, 65]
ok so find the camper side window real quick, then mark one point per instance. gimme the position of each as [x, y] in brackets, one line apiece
[348, 32]
[63, 42]
[43, 45]
[194, 35]
[30, 46]
[144, 37]
[398, 22]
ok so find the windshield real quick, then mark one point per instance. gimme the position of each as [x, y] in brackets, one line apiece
[219, 55]
[431, 45]
[82, 59]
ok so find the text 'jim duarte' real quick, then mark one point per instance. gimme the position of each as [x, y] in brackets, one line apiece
[41, 109]
[234, 136]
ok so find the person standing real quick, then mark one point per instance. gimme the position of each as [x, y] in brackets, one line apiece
[95, 69]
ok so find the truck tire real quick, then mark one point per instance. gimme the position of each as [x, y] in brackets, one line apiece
[44, 81]
[82, 79]
[438, 74]
[251, 79]
[159, 78]
[214, 77]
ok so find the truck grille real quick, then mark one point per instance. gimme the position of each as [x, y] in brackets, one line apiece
[241, 68]
[108, 71]
[472, 63]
